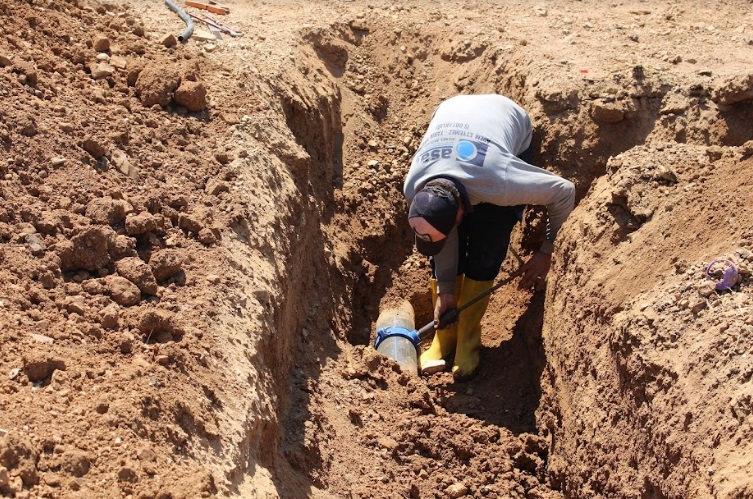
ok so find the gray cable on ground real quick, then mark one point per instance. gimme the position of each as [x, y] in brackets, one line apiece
[189, 22]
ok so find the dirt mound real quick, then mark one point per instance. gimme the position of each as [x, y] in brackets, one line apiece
[97, 260]
[412, 446]
[670, 361]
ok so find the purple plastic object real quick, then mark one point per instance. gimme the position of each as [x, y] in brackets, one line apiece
[730, 276]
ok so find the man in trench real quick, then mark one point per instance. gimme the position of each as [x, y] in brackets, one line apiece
[467, 186]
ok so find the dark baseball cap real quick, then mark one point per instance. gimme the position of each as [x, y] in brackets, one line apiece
[438, 206]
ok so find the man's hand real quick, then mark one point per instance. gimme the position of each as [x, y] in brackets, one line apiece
[533, 272]
[445, 302]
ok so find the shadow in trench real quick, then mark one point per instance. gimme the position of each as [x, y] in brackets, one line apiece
[507, 388]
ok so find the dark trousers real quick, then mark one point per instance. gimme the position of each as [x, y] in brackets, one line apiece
[484, 235]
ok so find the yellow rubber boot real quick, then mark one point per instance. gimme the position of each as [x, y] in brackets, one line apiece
[443, 345]
[469, 329]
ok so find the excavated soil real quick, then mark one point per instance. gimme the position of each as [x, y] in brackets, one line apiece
[196, 240]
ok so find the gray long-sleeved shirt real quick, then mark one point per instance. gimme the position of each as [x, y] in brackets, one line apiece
[475, 139]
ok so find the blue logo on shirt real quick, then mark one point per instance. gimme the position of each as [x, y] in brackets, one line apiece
[471, 152]
[465, 151]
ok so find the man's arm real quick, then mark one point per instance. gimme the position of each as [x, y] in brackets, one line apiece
[535, 186]
[446, 273]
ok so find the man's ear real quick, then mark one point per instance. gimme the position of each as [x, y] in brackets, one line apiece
[459, 216]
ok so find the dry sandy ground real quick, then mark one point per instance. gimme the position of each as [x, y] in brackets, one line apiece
[196, 240]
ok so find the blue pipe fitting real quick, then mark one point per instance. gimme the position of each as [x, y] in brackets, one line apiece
[390, 331]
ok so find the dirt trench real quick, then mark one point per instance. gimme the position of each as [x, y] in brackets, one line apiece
[272, 222]
[508, 395]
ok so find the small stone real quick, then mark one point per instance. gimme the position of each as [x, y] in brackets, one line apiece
[5, 61]
[165, 264]
[698, 307]
[57, 162]
[138, 272]
[147, 455]
[213, 279]
[41, 338]
[35, 243]
[162, 359]
[28, 71]
[101, 43]
[160, 326]
[119, 62]
[674, 103]
[75, 462]
[26, 228]
[141, 223]
[169, 40]
[51, 479]
[4, 478]
[122, 247]
[203, 35]
[126, 343]
[13, 373]
[355, 414]
[98, 95]
[123, 291]
[102, 406]
[127, 474]
[94, 147]
[706, 289]
[107, 210]
[192, 95]
[372, 163]
[123, 164]
[733, 90]
[210, 47]
[191, 223]
[110, 316]
[207, 237]
[76, 306]
[214, 187]
[665, 174]
[102, 70]
[388, 443]
[456, 490]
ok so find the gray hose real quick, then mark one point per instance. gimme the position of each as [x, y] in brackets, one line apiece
[189, 22]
